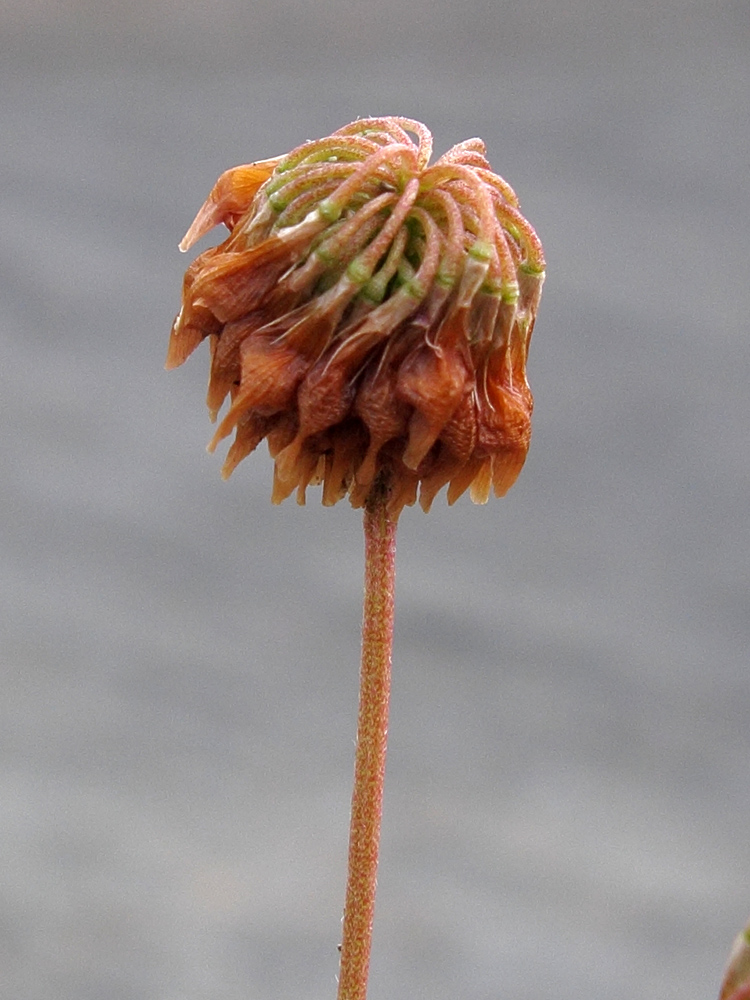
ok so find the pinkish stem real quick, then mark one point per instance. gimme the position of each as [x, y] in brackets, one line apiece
[372, 731]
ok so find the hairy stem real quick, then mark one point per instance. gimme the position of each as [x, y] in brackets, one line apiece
[372, 730]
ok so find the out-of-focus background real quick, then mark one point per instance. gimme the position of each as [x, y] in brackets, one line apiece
[568, 793]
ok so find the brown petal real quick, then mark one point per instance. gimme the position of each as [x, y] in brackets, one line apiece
[282, 433]
[443, 470]
[433, 380]
[348, 445]
[403, 491]
[506, 468]
[230, 197]
[464, 478]
[190, 328]
[481, 483]
[382, 412]
[233, 284]
[325, 396]
[226, 364]
[311, 468]
[460, 432]
[504, 423]
[282, 488]
[251, 429]
[457, 442]
[193, 323]
[271, 373]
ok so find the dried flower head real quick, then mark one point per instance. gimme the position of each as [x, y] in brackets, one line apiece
[369, 315]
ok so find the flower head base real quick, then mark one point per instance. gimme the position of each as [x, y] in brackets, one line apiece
[369, 315]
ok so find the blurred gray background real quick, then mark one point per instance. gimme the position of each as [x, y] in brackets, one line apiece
[568, 795]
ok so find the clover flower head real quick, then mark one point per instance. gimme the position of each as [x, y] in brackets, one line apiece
[369, 315]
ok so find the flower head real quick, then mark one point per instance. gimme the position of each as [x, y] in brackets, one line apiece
[369, 315]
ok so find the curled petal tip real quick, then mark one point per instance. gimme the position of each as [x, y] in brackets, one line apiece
[216, 440]
[172, 360]
[230, 197]
[204, 221]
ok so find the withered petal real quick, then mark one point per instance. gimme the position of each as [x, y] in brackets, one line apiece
[479, 491]
[251, 429]
[188, 331]
[463, 479]
[506, 468]
[270, 376]
[230, 197]
[433, 380]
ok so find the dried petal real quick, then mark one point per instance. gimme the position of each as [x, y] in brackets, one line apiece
[229, 199]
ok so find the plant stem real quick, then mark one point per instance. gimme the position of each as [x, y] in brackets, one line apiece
[372, 731]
